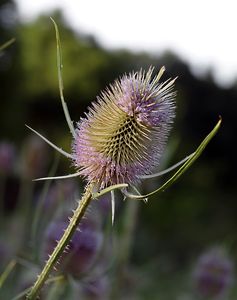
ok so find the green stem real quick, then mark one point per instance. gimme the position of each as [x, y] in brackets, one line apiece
[7, 271]
[74, 221]
[41, 202]
[130, 220]
[7, 44]
[125, 240]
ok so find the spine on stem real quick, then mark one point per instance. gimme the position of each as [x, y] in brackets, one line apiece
[74, 221]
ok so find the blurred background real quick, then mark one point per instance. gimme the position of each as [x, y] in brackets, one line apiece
[101, 41]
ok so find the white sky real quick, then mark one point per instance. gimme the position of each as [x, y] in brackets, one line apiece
[202, 32]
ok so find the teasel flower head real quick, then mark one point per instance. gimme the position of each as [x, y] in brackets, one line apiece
[124, 133]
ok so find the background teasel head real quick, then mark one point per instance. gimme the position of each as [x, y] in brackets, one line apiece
[214, 274]
[124, 133]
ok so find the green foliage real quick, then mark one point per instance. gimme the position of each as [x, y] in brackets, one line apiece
[83, 63]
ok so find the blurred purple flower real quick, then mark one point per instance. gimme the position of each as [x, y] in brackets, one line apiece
[213, 274]
[58, 193]
[125, 131]
[104, 204]
[7, 158]
[82, 250]
[34, 158]
[96, 289]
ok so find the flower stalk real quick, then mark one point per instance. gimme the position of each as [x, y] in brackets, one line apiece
[53, 258]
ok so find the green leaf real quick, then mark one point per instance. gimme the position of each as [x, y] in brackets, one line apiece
[7, 272]
[183, 168]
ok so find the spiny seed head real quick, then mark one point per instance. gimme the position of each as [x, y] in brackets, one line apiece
[124, 133]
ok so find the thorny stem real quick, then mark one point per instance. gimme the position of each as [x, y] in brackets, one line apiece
[53, 258]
